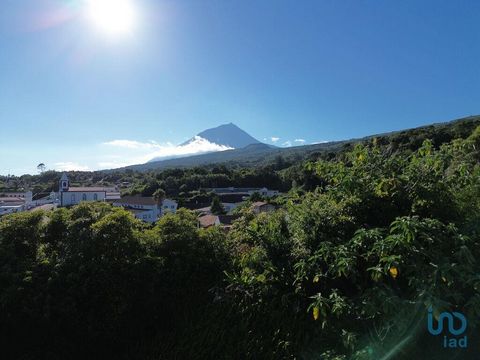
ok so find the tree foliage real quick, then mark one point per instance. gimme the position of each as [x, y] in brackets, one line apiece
[361, 247]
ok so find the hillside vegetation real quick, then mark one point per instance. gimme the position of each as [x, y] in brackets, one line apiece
[254, 166]
[364, 242]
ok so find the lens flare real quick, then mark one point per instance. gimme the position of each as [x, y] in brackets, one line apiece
[112, 17]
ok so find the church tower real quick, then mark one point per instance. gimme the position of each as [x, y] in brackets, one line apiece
[64, 183]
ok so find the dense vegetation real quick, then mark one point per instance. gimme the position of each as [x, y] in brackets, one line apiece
[364, 243]
[278, 168]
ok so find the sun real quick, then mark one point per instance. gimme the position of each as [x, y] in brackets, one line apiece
[112, 17]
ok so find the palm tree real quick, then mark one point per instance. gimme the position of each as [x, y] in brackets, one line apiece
[159, 195]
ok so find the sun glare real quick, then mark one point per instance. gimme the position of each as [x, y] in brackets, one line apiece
[113, 17]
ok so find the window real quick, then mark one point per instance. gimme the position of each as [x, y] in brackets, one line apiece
[84, 197]
[95, 197]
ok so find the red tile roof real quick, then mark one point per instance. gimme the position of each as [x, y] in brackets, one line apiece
[207, 220]
[86, 189]
[259, 203]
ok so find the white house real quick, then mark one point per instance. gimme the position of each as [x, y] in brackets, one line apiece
[9, 205]
[25, 196]
[69, 196]
[169, 206]
[146, 208]
[14, 201]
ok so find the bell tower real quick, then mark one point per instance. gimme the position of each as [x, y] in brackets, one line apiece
[64, 183]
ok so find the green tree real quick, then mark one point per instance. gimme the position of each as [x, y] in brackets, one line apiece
[216, 207]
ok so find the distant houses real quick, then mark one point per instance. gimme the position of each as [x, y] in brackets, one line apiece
[14, 201]
[228, 207]
[262, 206]
[244, 192]
[206, 219]
[146, 208]
[224, 221]
[143, 208]
[238, 195]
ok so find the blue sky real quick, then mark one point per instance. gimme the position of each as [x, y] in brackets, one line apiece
[72, 96]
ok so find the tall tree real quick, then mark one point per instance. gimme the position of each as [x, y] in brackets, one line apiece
[217, 208]
[159, 195]
[41, 167]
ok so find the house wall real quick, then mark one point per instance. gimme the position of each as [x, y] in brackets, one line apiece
[66, 198]
[169, 206]
[152, 212]
[148, 216]
[6, 209]
[23, 195]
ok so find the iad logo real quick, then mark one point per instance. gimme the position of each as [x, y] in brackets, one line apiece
[454, 341]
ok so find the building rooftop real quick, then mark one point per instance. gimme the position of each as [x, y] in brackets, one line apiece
[11, 199]
[207, 220]
[259, 203]
[227, 219]
[87, 189]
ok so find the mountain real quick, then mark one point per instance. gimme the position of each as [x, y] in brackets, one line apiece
[258, 153]
[250, 155]
[227, 135]
[220, 138]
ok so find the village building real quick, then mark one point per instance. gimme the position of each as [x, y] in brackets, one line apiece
[69, 195]
[146, 208]
[15, 201]
[224, 221]
[262, 206]
[228, 207]
[243, 193]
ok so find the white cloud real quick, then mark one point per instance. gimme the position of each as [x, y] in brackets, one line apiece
[198, 145]
[132, 144]
[70, 166]
[135, 152]
[287, 143]
[274, 139]
[301, 141]
[320, 142]
[112, 164]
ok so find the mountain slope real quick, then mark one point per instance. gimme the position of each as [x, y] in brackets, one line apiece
[227, 135]
[220, 138]
[256, 154]
[251, 155]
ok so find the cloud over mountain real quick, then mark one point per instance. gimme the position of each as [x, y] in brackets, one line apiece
[142, 152]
